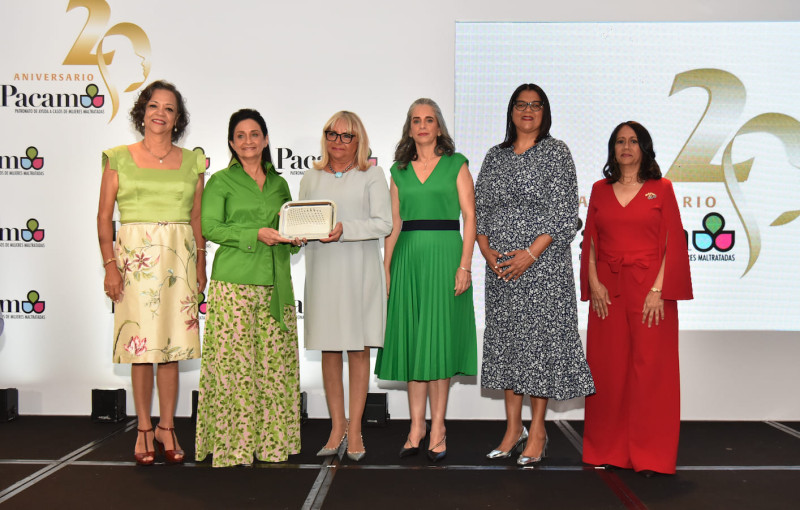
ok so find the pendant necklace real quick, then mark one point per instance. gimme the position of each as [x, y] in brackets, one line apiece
[339, 175]
[159, 158]
[426, 162]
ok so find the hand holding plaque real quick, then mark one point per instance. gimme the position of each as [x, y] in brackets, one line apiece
[309, 219]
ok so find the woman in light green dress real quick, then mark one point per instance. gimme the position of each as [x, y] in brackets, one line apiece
[157, 266]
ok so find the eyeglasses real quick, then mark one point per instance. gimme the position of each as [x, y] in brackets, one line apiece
[331, 136]
[523, 105]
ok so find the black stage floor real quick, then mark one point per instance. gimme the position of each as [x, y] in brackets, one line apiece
[69, 462]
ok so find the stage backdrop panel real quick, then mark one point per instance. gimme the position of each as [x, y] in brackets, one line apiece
[71, 71]
[724, 123]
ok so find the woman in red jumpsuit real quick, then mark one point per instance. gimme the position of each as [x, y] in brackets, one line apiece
[634, 267]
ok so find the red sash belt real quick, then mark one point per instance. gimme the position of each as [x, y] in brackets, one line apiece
[641, 260]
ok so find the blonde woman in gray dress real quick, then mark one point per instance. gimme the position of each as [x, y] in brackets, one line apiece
[345, 292]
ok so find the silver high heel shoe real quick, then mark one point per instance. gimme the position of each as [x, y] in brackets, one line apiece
[500, 454]
[327, 452]
[524, 461]
[357, 456]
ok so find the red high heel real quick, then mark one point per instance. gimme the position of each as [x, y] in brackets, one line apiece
[171, 456]
[141, 458]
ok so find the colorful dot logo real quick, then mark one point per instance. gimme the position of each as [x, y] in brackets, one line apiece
[33, 305]
[203, 306]
[32, 232]
[92, 98]
[713, 235]
[32, 159]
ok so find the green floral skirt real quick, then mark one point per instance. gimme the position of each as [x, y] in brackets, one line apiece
[249, 379]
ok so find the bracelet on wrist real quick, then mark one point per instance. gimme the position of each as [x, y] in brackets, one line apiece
[465, 269]
[202, 249]
[534, 257]
[655, 289]
[109, 261]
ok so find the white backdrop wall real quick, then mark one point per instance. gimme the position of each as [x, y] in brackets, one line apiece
[297, 62]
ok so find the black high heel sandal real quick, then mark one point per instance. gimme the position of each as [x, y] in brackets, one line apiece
[437, 456]
[408, 452]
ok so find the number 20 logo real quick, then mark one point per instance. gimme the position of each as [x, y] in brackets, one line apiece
[726, 101]
[93, 35]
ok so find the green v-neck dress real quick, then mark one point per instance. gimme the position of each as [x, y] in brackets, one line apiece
[430, 332]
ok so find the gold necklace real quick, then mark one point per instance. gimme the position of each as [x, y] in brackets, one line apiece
[425, 168]
[161, 158]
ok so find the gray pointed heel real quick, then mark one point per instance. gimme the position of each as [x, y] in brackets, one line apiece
[526, 461]
[500, 454]
[357, 456]
[327, 452]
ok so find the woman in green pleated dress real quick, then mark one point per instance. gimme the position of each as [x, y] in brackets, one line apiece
[430, 325]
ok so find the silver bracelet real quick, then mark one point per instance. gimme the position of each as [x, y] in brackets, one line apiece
[535, 258]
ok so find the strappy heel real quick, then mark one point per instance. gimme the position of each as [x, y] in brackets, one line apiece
[171, 456]
[437, 456]
[142, 458]
[413, 450]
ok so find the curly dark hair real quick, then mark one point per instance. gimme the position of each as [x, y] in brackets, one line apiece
[648, 168]
[245, 114]
[547, 119]
[137, 112]
[406, 150]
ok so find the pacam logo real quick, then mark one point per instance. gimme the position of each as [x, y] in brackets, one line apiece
[32, 305]
[50, 102]
[713, 235]
[31, 232]
[30, 161]
[92, 98]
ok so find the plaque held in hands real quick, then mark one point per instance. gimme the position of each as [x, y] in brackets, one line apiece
[309, 219]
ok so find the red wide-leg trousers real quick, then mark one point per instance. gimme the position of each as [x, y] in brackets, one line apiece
[633, 421]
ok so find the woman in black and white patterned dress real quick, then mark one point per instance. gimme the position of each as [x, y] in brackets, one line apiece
[527, 208]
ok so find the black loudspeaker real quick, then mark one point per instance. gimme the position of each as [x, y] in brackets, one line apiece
[376, 412]
[108, 406]
[195, 397]
[9, 404]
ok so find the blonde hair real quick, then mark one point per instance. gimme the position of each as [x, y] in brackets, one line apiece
[354, 126]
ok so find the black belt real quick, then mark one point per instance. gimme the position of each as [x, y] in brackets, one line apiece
[431, 225]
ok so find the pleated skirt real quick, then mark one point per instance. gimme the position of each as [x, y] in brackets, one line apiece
[430, 332]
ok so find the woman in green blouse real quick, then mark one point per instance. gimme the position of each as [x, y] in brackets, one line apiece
[249, 379]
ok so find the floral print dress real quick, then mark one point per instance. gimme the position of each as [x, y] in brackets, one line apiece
[157, 319]
[531, 343]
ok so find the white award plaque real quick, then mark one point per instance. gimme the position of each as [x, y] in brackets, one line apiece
[309, 219]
